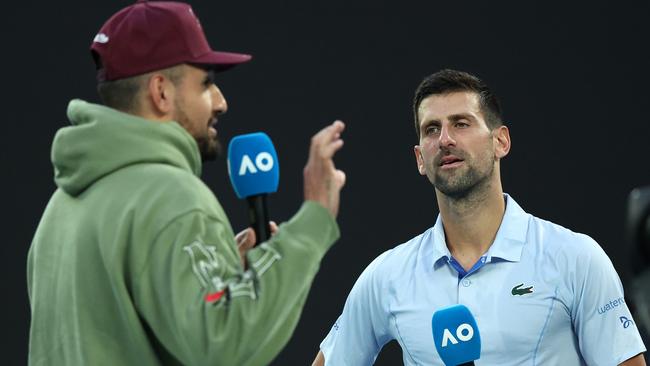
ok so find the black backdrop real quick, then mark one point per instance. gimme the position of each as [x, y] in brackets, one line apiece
[571, 77]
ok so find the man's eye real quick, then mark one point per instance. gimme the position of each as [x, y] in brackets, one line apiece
[209, 79]
[432, 129]
[462, 124]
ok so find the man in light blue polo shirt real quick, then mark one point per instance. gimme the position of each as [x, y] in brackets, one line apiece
[541, 294]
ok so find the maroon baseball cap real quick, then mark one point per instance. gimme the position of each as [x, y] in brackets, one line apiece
[153, 35]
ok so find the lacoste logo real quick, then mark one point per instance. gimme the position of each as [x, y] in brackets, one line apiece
[101, 38]
[517, 291]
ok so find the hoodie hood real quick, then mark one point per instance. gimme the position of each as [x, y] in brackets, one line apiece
[102, 140]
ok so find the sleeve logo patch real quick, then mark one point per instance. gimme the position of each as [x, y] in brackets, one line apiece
[625, 321]
[611, 305]
[214, 296]
[209, 267]
[219, 278]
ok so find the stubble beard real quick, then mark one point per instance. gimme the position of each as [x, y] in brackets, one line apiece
[460, 186]
[209, 148]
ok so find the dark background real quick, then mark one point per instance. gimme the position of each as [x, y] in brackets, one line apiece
[572, 79]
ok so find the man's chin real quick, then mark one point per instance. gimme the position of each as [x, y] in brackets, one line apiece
[453, 186]
[209, 149]
[209, 156]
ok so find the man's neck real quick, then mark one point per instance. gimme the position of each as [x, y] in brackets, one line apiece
[471, 223]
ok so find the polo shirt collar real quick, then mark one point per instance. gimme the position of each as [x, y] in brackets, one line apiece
[508, 243]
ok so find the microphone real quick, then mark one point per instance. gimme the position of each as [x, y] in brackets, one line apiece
[254, 172]
[456, 335]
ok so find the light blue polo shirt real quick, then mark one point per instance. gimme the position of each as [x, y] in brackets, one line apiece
[574, 314]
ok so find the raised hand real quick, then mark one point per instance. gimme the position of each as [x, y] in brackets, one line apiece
[322, 181]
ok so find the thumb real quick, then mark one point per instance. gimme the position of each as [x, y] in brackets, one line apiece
[340, 177]
[245, 239]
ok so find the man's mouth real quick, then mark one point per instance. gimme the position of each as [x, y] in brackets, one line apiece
[450, 161]
[212, 128]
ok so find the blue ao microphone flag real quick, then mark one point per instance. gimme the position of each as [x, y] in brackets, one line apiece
[456, 335]
[254, 173]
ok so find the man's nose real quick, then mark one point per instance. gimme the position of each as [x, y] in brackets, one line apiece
[446, 139]
[219, 104]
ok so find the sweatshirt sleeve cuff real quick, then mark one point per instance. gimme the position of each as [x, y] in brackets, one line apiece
[313, 225]
[318, 222]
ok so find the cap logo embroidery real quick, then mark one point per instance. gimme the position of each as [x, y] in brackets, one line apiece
[101, 38]
[198, 22]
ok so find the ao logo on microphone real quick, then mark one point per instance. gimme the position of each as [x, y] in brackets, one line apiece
[464, 333]
[253, 165]
[456, 335]
[263, 161]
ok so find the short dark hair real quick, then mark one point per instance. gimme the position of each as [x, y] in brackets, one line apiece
[122, 94]
[450, 81]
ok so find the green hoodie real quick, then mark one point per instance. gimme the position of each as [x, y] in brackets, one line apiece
[134, 261]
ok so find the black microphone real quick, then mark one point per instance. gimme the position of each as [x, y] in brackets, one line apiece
[258, 216]
[254, 173]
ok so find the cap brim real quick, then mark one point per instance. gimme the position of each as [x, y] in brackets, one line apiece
[221, 61]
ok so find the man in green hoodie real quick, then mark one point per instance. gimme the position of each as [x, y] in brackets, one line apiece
[134, 261]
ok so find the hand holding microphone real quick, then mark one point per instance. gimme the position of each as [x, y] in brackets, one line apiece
[456, 336]
[322, 181]
[246, 240]
[254, 172]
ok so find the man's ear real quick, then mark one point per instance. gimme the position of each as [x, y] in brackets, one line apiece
[161, 93]
[501, 136]
[419, 159]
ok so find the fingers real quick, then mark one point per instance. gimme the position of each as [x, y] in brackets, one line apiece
[322, 181]
[330, 132]
[340, 177]
[274, 227]
[328, 140]
[328, 150]
[245, 239]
